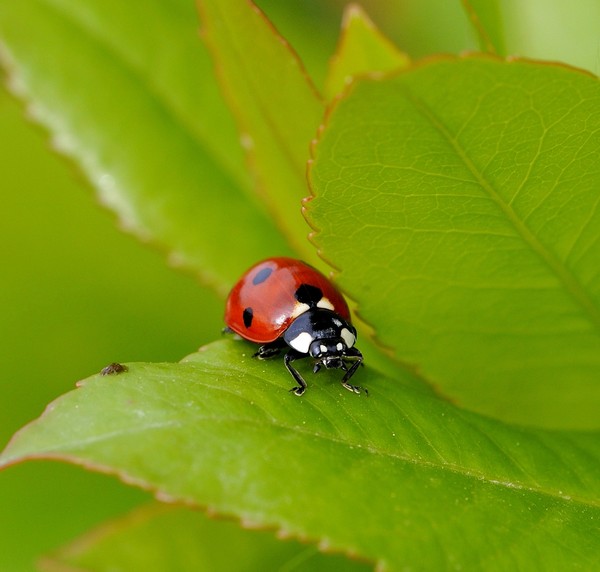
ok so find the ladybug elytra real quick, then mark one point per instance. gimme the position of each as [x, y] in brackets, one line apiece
[285, 303]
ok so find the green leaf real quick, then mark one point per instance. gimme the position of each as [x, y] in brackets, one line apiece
[471, 187]
[276, 104]
[554, 30]
[362, 48]
[160, 538]
[278, 110]
[486, 18]
[400, 477]
[132, 101]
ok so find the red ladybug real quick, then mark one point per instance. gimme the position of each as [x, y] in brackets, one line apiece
[283, 302]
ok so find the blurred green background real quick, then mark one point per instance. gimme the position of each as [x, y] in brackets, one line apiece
[71, 303]
[77, 294]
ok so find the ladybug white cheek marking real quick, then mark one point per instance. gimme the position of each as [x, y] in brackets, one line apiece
[301, 342]
[325, 303]
[348, 337]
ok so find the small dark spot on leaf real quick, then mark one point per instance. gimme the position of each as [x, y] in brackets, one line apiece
[113, 369]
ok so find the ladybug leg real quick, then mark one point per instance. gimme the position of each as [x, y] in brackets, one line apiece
[290, 357]
[267, 351]
[226, 330]
[353, 353]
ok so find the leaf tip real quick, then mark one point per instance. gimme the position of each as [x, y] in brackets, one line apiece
[355, 11]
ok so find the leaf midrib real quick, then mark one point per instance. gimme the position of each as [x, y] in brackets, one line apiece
[375, 450]
[571, 284]
[276, 423]
[54, 453]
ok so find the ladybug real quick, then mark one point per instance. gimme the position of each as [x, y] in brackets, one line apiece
[283, 303]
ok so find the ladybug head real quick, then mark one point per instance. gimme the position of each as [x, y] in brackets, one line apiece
[326, 337]
[329, 352]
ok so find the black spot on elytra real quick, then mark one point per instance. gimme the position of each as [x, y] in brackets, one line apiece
[308, 294]
[262, 276]
[248, 315]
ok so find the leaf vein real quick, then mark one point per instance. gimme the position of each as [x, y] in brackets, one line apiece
[570, 282]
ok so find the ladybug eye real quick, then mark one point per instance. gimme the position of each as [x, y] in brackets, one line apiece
[317, 349]
[327, 348]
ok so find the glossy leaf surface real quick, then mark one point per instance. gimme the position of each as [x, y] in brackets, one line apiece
[421, 482]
